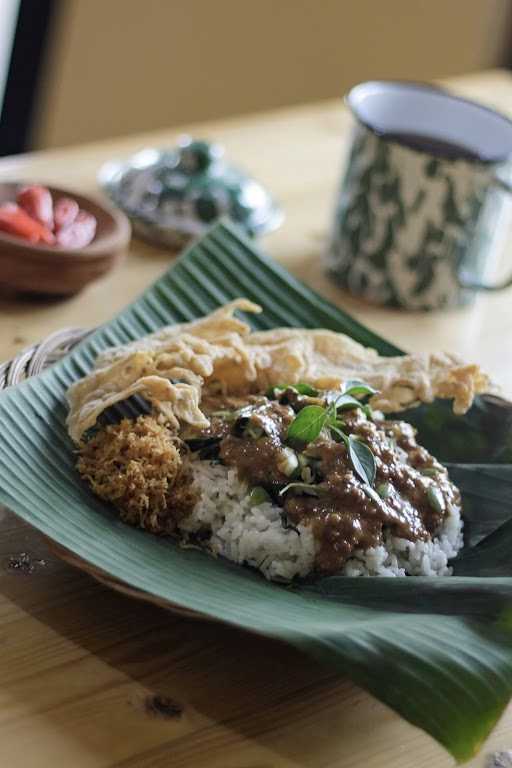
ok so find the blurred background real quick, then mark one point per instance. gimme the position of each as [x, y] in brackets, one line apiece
[73, 71]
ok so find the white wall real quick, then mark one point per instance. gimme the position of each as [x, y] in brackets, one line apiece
[123, 66]
[8, 18]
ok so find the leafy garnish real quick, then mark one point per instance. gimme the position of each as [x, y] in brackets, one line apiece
[347, 402]
[430, 471]
[308, 424]
[362, 460]
[305, 389]
[355, 387]
[368, 412]
[287, 462]
[436, 499]
[310, 421]
[301, 388]
[384, 489]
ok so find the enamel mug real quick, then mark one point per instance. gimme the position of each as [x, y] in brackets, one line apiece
[418, 216]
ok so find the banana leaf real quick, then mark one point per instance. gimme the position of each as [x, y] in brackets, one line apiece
[438, 651]
[483, 436]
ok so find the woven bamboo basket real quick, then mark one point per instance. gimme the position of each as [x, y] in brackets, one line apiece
[35, 359]
[30, 362]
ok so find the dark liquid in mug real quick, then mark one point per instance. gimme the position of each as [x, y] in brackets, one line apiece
[432, 146]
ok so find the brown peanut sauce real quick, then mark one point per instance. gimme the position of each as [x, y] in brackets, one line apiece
[343, 517]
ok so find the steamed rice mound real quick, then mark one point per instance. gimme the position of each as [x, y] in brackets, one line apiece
[138, 466]
[149, 470]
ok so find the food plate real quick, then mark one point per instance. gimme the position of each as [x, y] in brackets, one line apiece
[439, 651]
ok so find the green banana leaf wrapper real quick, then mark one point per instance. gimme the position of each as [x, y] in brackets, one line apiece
[438, 651]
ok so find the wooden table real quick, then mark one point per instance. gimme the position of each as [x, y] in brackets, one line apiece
[89, 678]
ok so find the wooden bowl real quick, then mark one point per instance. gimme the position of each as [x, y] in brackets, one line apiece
[45, 269]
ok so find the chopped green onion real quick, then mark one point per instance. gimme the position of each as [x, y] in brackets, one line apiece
[301, 389]
[430, 471]
[308, 424]
[372, 493]
[384, 489]
[368, 412]
[252, 430]
[287, 462]
[303, 460]
[257, 496]
[340, 434]
[305, 389]
[435, 499]
[347, 402]
[225, 415]
[306, 474]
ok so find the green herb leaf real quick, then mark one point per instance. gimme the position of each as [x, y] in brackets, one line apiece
[339, 433]
[356, 387]
[301, 388]
[308, 424]
[362, 460]
[306, 389]
[367, 409]
[347, 402]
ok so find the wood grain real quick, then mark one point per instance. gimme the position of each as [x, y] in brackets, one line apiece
[80, 665]
[301, 167]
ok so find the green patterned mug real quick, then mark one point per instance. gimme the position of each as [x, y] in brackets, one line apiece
[418, 215]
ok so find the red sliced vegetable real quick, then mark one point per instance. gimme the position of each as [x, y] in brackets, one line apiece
[16, 221]
[79, 233]
[65, 212]
[33, 217]
[37, 202]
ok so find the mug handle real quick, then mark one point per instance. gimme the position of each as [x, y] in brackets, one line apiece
[478, 285]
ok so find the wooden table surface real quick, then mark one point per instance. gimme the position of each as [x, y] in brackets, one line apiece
[89, 678]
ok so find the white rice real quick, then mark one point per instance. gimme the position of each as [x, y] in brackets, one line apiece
[255, 535]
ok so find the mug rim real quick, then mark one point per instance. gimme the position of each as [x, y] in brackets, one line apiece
[416, 85]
